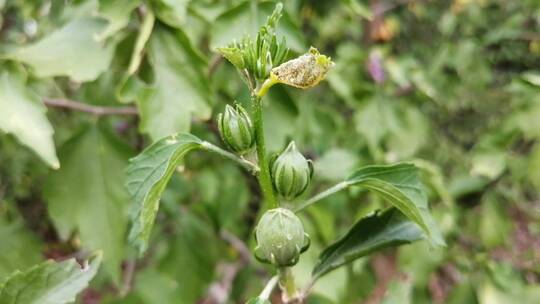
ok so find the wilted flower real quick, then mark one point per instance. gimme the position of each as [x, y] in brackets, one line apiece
[303, 72]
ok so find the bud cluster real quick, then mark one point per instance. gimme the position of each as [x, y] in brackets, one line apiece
[260, 55]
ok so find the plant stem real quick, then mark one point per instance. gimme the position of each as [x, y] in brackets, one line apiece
[251, 167]
[286, 282]
[265, 294]
[324, 194]
[264, 174]
[83, 107]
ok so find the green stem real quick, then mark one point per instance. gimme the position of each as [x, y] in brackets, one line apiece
[286, 282]
[264, 174]
[251, 167]
[324, 194]
[265, 294]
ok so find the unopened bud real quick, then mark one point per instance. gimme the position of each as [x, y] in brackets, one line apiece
[236, 129]
[280, 238]
[291, 172]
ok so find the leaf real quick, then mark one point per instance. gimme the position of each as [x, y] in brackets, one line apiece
[171, 12]
[72, 51]
[15, 237]
[117, 14]
[147, 176]
[400, 185]
[23, 115]
[49, 282]
[239, 21]
[258, 301]
[180, 90]
[370, 234]
[87, 195]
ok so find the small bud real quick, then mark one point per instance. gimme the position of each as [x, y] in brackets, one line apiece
[291, 172]
[234, 54]
[236, 129]
[303, 72]
[280, 238]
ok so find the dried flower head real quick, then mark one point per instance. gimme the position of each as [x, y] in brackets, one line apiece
[303, 72]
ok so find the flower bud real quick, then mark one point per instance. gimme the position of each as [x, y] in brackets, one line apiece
[291, 172]
[303, 72]
[280, 238]
[236, 129]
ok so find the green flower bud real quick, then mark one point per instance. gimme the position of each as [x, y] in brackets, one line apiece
[291, 172]
[280, 238]
[236, 129]
[303, 72]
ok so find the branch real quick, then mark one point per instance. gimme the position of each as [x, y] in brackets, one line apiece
[238, 245]
[219, 291]
[82, 107]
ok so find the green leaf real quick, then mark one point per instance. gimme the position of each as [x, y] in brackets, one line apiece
[15, 237]
[23, 115]
[180, 90]
[117, 14]
[239, 21]
[258, 301]
[400, 184]
[87, 195]
[370, 234]
[72, 51]
[171, 12]
[147, 176]
[49, 282]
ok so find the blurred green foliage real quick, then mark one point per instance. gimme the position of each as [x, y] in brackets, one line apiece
[452, 86]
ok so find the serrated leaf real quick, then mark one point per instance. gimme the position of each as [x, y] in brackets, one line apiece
[400, 185]
[87, 195]
[72, 51]
[147, 176]
[48, 283]
[180, 90]
[23, 115]
[370, 234]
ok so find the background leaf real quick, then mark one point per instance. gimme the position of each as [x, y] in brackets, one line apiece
[400, 185]
[180, 92]
[72, 50]
[48, 283]
[370, 234]
[87, 195]
[23, 115]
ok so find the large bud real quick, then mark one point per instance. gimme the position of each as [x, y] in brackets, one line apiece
[280, 238]
[303, 72]
[236, 129]
[291, 172]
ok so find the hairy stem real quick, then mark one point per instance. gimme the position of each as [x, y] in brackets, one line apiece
[264, 174]
[322, 195]
[251, 167]
[286, 283]
[265, 294]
